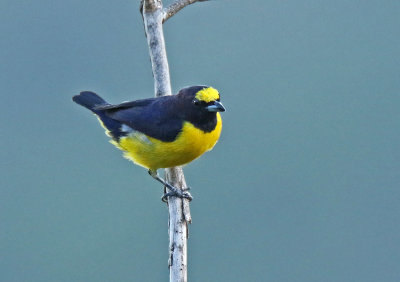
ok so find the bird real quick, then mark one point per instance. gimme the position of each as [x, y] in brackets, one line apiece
[161, 132]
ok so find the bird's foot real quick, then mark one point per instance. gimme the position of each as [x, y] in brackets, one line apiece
[174, 192]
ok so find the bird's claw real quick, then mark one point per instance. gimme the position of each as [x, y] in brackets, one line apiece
[173, 192]
[183, 194]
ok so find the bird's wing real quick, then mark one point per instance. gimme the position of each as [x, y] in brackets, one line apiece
[153, 117]
[124, 105]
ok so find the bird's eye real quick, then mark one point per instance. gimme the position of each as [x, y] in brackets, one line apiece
[196, 102]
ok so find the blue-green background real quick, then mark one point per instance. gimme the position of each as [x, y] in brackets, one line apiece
[303, 185]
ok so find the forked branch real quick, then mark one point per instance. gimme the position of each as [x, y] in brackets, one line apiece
[176, 7]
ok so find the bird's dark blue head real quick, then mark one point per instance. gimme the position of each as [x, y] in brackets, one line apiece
[202, 98]
[200, 105]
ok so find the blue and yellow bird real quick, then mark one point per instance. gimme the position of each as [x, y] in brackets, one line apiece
[161, 132]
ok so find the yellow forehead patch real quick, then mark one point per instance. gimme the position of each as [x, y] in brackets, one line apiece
[207, 95]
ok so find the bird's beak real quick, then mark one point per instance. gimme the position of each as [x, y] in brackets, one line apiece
[216, 107]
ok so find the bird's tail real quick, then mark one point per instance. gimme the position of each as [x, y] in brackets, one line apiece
[89, 100]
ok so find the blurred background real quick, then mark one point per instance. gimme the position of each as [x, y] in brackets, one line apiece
[302, 186]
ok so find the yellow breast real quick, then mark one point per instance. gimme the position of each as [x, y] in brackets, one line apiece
[153, 154]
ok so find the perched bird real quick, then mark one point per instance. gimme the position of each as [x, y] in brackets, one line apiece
[161, 132]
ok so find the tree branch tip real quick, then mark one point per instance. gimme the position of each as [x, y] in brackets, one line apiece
[176, 6]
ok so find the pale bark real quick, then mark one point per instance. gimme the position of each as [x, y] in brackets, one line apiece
[177, 6]
[179, 212]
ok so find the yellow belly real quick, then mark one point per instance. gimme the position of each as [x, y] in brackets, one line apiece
[153, 154]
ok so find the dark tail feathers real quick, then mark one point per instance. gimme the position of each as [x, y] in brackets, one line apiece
[89, 100]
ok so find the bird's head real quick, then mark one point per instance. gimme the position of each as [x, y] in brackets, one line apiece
[202, 99]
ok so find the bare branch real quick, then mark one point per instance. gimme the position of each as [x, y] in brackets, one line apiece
[155, 39]
[175, 175]
[176, 7]
[179, 211]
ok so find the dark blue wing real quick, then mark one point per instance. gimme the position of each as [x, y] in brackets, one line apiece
[155, 117]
